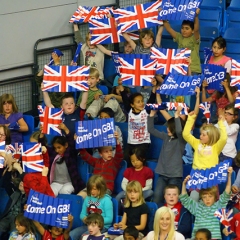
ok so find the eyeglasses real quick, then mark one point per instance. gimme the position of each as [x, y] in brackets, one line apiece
[229, 114]
[2, 135]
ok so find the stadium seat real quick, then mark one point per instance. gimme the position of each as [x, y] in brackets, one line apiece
[238, 142]
[214, 4]
[124, 129]
[83, 169]
[167, 40]
[231, 18]
[103, 88]
[153, 207]
[115, 210]
[234, 4]
[233, 42]
[119, 178]
[152, 165]
[221, 187]
[3, 200]
[30, 122]
[76, 208]
[186, 170]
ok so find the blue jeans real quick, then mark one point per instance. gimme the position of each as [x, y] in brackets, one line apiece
[162, 182]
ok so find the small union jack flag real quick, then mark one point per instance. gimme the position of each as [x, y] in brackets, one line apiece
[104, 31]
[205, 107]
[137, 17]
[77, 52]
[15, 150]
[224, 216]
[136, 69]
[155, 106]
[65, 78]
[235, 73]
[172, 106]
[84, 14]
[171, 60]
[50, 118]
[32, 159]
[207, 54]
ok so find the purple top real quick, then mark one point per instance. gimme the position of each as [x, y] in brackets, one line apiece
[16, 136]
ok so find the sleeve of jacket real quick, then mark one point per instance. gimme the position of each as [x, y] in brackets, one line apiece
[185, 222]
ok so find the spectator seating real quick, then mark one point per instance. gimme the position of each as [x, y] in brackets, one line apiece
[30, 122]
[103, 88]
[76, 208]
[233, 42]
[152, 164]
[115, 210]
[83, 169]
[3, 200]
[119, 178]
[167, 40]
[153, 207]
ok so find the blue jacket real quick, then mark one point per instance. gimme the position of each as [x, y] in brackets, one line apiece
[185, 223]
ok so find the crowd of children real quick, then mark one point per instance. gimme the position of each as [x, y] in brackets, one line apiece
[179, 216]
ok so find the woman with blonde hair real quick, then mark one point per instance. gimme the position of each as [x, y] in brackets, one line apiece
[163, 227]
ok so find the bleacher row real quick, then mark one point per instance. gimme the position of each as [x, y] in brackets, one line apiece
[215, 20]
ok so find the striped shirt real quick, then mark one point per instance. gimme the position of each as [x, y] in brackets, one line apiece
[140, 49]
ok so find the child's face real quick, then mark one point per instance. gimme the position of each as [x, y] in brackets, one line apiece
[137, 164]
[94, 229]
[147, 41]
[21, 229]
[68, 105]
[127, 48]
[204, 139]
[95, 192]
[60, 149]
[138, 104]
[2, 134]
[229, 116]
[201, 236]
[133, 196]
[171, 197]
[104, 115]
[7, 108]
[186, 31]
[55, 232]
[208, 199]
[106, 153]
[165, 222]
[217, 50]
[93, 81]
[126, 236]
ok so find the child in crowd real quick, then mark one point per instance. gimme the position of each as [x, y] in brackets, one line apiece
[10, 117]
[130, 233]
[107, 166]
[71, 114]
[135, 210]
[235, 229]
[183, 218]
[204, 211]
[64, 177]
[188, 38]
[138, 172]
[95, 223]
[164, 226]
[203, 234]
[25, 229]
[92, 56]
[55, 232]
[55, 97]
[169, 166]
[218, 58]
[231, 115]
[38, 181]
[93, 91]
[97, 201]
[5, 134]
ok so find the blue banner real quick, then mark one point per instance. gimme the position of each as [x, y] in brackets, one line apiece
[180, 85]
[214, 76]
[202, 179]
[95, 133]
[48, 210]
[77, 52]
[179, 9]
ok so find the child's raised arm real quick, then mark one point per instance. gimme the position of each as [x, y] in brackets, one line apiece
[39, 227]
[184, 189]
[196, 108]
[46, 98]
[196, 25]
[169, 29]
[228, 185]
[159, 36]
[204, 97]
[129, 40]
[104, 50]
[230, 97]
[67, 230]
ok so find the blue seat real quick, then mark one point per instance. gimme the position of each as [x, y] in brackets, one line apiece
[233, 42]
[152, 164]
[234, 4]
[124, 129]
[232, 18]
[167, 40]
[83, 169]
[3, 199]
[119, 178]
[76, 208]
[103, 88]
[214, 4]
[186, 170]
[153, 207]
[30, 122]
[115, 210]
[221, 187]
[238, 142]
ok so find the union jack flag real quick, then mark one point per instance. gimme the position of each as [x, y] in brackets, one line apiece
[50, 118]
[155, 106]
[207, 54]
[104, 31]
[205, 107]
[237, 102]
[170, 60]
[2, 146]
[84, 14]
[14, 150]
[32, 159]
[137, 17]
[224, 216]
[136, 69]
[235, 73]
[172, 106]
[65, 78]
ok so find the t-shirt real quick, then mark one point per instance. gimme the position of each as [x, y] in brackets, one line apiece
[90, 98]
[140, 49]
[224, 62]
[91, 237]
[47, 236]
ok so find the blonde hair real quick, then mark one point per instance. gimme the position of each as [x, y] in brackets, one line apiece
[156, 226]
[7, 97]
[99, 183]
[212, 191]
[136, 187]
[94, 72]
[212, 132]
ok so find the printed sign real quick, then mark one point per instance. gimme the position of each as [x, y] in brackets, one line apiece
[95, 133]
[48, 210]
